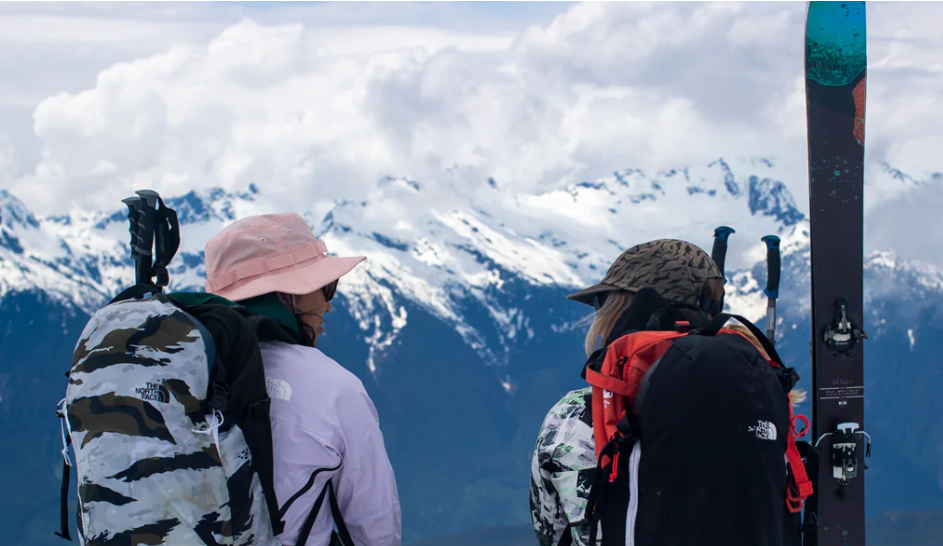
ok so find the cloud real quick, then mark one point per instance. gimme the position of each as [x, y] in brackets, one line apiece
[908, 223]
[313, 113]
[6, 157]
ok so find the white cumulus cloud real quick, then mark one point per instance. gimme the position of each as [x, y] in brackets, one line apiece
[307, 115]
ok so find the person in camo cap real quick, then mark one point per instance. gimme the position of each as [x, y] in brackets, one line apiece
[326, 436]
[564, 460]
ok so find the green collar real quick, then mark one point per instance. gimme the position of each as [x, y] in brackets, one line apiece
[266, 304]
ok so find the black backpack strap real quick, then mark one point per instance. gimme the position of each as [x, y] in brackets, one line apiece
[66, 472]
[64, 491]
[135, 292]
[611, 479]
[303, 490]
[239, 366]
[666, 317]
[810, 520]
[309, 521]
[645, 302]
[718, 322]
[257, 430]
[64, 504]
[567, 538]
[342, 531]
[341, 536]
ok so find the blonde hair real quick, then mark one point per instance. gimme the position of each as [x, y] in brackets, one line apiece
[602, 321]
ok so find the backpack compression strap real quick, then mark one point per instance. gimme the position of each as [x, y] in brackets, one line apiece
[621, 367]
[799, 491]
[66, 478]
[810, 521]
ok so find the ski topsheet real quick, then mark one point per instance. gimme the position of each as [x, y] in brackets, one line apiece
[836, 69]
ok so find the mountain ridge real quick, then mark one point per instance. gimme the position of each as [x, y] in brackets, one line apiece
[458, 325]
[437, 256]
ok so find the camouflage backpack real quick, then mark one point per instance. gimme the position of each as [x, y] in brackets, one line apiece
[167, 414]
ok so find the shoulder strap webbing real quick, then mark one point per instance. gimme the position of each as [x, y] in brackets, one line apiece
[567, 538]
[309, 521]
[135, 292]
[247, 402]
[339, 519]
[341, 535]
[720, 320]
[666, 317]
[303, 490]
[810, 520]
[803, 485]
[64, 491]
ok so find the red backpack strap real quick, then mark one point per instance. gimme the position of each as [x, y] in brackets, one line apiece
[801, 488]
[798, 492]
[615, 373]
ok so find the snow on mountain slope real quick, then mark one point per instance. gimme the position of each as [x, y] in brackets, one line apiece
[444, 257]
[33, 257]
[451, 246]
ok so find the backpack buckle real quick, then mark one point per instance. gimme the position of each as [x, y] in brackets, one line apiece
[683, 326]
[220, 398]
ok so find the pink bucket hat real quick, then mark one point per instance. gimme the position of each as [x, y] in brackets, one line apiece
[270, 253]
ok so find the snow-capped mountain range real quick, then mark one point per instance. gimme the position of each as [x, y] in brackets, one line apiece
[458, 317]
[438, 252]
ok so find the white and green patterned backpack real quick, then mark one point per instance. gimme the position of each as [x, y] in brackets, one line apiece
[167, 415]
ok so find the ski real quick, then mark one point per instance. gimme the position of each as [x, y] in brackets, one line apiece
[835, 78]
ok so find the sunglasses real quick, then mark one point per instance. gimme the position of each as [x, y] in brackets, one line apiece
[329, 291]
[598, 302]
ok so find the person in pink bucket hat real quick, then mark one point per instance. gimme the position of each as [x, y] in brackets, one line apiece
[327, 445]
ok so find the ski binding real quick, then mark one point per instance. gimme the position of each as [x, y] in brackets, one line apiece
[842, 335]
[844, 451]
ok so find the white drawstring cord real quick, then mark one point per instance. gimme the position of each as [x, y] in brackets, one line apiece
[216, 421]
[60, 410]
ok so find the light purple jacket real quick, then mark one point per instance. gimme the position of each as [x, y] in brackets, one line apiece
[321, 418]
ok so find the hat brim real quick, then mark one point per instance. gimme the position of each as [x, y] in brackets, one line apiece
[587, 295]
[299, 279]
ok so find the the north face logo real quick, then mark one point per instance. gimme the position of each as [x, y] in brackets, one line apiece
[153, 392]
[277, 388]
[764, 430]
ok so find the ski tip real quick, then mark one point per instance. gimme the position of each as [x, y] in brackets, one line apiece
[835, 42]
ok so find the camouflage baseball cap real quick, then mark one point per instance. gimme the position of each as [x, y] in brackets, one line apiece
[675, 269]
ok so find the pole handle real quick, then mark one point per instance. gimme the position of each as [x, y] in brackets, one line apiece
[719, 251]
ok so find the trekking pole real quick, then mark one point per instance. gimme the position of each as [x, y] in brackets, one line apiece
[142, 212]
[719, 252]
[772, 284]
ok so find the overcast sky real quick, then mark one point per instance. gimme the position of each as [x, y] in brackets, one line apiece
[317, 101]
